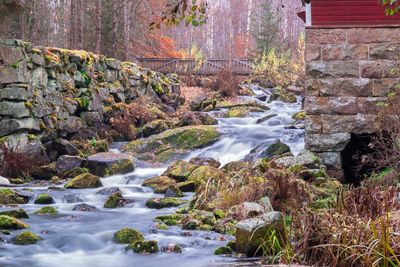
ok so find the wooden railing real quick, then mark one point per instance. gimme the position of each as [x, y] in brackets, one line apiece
[191, 66]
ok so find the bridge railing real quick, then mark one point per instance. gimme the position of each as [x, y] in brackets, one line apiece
[192, 66]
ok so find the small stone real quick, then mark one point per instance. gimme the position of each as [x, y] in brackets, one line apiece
[46, 211]
[26, 238]
[84, 207]
[82, 181]
[128, 236]
[116, 200]
[172, 248]
[143, 247]
[72, 198]
[44, 199]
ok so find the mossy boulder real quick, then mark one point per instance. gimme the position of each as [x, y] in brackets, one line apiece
[19, 213]
[82, 181]
[223, 251]
[116, 200]
[160, 184]
[10, 197]
[170, 144]
[10, 223]
[276, 149]
[153, 127]
[106, 164]
[171, 219]
[173, 191]
[26, 238]
[44, 199]
[128, 236]
[205, 217]
[180, 170]
[241, 112]
[46, 211]
[191, 224]
[143, 247]
[203, 173]
[166, 202]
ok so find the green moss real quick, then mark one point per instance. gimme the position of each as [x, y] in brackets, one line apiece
[143, 247]
[241, 112]
[232, 245]
[85, 180]
[113, 201]
[9, 196]
[203, 173]
[26, 238]
[219, 214]
[180, 170]
[19, 213]
[46, 211]
[166, 202]
[127, 236]
[10, 223]
[223, 251]
[44, 199]
[276, 149]
[299, 115]
[161, 226]
[172, 219]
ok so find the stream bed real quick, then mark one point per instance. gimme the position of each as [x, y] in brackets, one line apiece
[84, 239]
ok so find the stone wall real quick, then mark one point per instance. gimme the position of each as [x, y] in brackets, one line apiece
[349, 71]
[51, 95]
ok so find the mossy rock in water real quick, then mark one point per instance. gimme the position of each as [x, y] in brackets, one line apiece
[160, 184]
[223, 251]
[166, 202]
[10, 223]
[10, 196]
[241, 112]
[206, 217]
[44, 199]
[172, 219]
[19, 213]
[106, 164]
[82, 181]
[172, 143]
[203, 173]
[299, 115]
[26, 238]
[192, 224]
[128, 236]
[143, 247]
[276, 149]
[153, 127]
[46, 211]
[116, 200]
[180, 170]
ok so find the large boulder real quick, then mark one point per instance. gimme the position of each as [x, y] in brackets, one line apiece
[26, 238]
[10, 223]
[44, 199]
[128, 236]
[172, 143]
[10, 197]
[67, 163]
[82, 181]
[203, 173]
[160, 184]
[251, 233]
[19, 213]
[106, 164]
[180, 170]
[166, 202]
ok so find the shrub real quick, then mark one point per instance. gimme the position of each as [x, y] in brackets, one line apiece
[227, 83]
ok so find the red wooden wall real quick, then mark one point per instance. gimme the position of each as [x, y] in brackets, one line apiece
[350, 12]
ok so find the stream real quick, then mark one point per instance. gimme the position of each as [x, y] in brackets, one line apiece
[84, 239]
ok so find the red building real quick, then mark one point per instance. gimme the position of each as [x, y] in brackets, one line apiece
[335, 13]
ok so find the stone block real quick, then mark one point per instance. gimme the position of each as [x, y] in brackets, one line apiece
[111, 75]
[91, 118]
[16, 92]
[325, 36]
[389, 51]
[330, 105]
[312, 52]
[383, 86]
[71, 125]
[344, 52]
[332, 160]
[39, 78]
[312, 87]
[8, 126]
[380, 69]
[14, 109]
[113, 64]
[345, 87]
[10, 74]
[373, 35]
[360, 123]
[11, 55]
[313, 124]
[369, 105]
[327, 142]
[106, 164]
[334, 69]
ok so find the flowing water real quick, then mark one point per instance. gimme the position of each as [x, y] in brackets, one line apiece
[84, 239]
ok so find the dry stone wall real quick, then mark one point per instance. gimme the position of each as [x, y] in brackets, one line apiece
[49, 95]
[349, 72]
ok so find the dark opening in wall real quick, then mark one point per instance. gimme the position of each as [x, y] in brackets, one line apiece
[354, 170]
